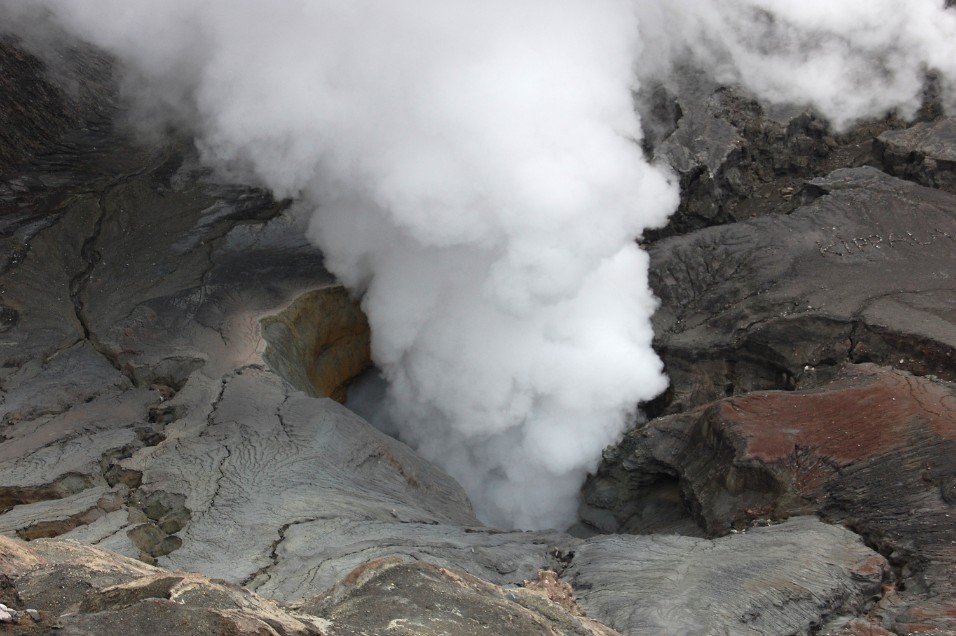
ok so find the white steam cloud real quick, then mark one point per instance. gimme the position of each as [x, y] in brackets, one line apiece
[849, 59]
[476, 173]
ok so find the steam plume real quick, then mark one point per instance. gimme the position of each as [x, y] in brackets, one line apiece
[476, 173]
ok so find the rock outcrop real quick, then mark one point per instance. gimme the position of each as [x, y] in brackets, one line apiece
[401, 596]
[862, 273]
[737, 158]
[64, 587]
[811, 350]
[74, 588]
[872, 450]
[924, 153]
[741, 584]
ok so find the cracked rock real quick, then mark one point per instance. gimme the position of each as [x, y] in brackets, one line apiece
[872, 449]
[863, 272]
[683, 585]
[924, 153]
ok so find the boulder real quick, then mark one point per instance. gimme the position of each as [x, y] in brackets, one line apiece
[782, 579]
[872, 450]
[924, 153]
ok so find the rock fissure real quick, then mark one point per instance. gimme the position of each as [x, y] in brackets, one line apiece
[214, 406]
[79, 281]
[281, 419]
[255, 581]
[220, 468]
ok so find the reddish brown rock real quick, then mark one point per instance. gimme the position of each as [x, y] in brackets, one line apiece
[320, 342]
[849, 420]
[874, 450]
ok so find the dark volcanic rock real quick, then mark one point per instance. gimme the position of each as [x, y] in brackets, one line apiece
[873, 450]
[737, 158]
[924, 153]
[863, 272]
[36, 110]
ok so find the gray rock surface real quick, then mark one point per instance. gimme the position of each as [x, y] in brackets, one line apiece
[782, 579]
[288, 493]
[862, 272]
[65, 587]
[155, 382]
[435, 600]
[873, 449]
[70, 588]
[315, 554]
[737, 158]
[924, 153]
[38, 113]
